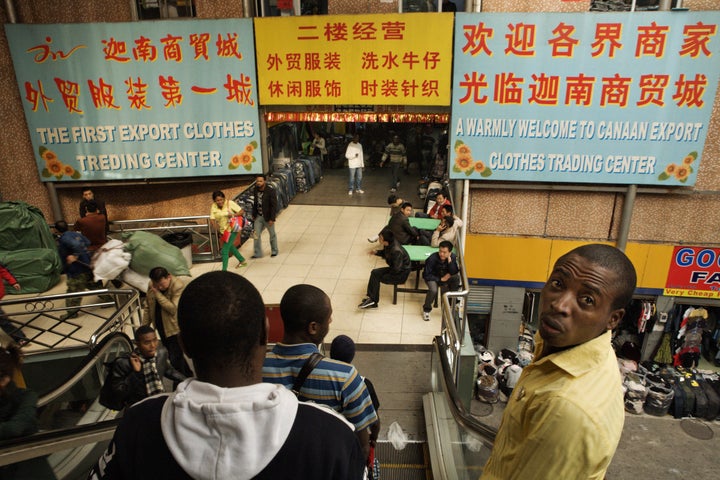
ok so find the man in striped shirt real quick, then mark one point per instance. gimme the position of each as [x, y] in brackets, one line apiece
[307, 314]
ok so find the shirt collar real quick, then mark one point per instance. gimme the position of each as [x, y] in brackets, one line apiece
[579, 359]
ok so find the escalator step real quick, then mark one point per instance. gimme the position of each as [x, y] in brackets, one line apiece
[410, 463]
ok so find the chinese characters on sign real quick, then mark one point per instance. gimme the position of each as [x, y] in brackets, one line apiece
[373, 59]
[583, 97]
[113, 101]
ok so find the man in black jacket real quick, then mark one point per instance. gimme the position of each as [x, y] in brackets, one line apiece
[139, 374]
[264, 211]
[396, 272]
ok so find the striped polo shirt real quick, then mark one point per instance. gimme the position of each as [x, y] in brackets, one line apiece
[333, 383]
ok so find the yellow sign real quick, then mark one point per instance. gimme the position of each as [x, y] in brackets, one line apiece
[682, 292]
[380, 59]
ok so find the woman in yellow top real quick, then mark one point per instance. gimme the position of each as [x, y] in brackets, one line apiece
[224, 214]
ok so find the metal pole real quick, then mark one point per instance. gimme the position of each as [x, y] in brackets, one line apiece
[626, 217]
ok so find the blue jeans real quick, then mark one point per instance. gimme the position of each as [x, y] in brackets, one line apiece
[259, 225]
[355, 179]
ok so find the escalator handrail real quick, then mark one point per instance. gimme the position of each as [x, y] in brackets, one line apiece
[88, 362]
[41, 444]
[459, 413]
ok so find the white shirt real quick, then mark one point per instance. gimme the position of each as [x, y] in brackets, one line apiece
[354, 154]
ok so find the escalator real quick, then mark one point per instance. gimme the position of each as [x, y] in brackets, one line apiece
[74, 427]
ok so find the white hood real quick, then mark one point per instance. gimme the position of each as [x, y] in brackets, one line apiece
[219, 433]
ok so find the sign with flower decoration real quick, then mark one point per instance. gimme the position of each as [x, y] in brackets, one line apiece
[694, 272]
[583, 98]
[116, 101]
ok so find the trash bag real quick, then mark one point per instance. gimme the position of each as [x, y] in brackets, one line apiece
[397, 437]
[110, 260]
[149, 251]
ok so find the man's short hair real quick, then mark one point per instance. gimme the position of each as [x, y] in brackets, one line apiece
[222, 320]
[446, 244]
[86, 189]
[405, 205]
[91, 206]
[302, 304]
[387, 235]
[449, 220]
[264, 177]
[448, 209]
[392, 199]
[143, 330]
[614, 260]
[158, 273]
[61, 226]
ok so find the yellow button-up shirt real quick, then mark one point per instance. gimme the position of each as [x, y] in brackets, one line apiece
[564, 418]
[221, 215]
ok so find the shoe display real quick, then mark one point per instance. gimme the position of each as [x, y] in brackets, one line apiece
[361, 191]
[426, 316]
[350, 192]
[368, 303]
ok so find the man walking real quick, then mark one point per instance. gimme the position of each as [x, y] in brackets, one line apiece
[264, 211]
[73, 250]
[565, 415]
[163, 295]
[226, 423]
[441, 270]
[396, 153]
[307, 313]
[356, 163]
[395, 273]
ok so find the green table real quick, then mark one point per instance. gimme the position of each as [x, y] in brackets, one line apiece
[418, 254]
[424, 223]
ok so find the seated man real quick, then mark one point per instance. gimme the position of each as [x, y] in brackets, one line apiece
[448, 210]
[403, 232]
[445, 231]
[395, 273]
[139, 374]
[435, 210]
[441, 270]
[227, 423]
[395, 202]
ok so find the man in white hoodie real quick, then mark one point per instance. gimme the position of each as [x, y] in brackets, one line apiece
[226, 423]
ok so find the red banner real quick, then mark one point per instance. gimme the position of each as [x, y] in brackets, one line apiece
[694, 272]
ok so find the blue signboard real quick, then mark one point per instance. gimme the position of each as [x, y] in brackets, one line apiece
[611, 98]
[114, 101]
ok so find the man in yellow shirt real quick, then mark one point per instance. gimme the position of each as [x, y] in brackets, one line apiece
[565, 416]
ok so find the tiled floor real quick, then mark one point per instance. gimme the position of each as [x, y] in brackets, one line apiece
[327, 246]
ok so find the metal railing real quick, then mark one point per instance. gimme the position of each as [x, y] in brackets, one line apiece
[42, 319]
[204, 238]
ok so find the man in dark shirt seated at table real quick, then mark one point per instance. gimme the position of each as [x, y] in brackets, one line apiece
[441, 270]
[404, 233]
[396, 272]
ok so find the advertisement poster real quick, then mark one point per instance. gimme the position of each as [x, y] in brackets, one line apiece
[694, 272]
[381, 59]
[610, 98]
[117, 101]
